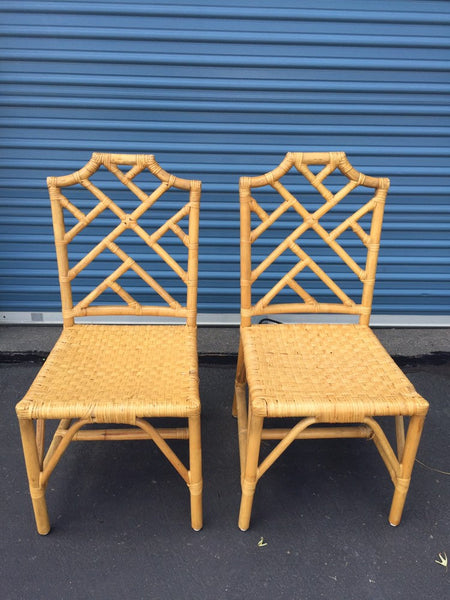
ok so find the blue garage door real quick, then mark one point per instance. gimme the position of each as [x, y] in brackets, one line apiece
[217, 91]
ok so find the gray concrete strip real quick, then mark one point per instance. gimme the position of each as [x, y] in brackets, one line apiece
[18, 339]
[414, 342]
[40, 339]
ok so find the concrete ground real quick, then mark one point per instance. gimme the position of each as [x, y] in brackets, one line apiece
[120, 513]
[40, 339]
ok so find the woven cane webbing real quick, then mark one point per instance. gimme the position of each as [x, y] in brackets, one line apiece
[115, 373]
[337, 373]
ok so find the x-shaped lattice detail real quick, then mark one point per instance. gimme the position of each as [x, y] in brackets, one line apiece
[127, 221]
[310, 221]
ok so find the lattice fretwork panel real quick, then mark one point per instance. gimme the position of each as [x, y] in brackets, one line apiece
[304, 236]
[118, 223]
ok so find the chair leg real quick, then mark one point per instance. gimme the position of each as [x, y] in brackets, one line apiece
[37, 492]
[400, 435]
[249, 478]
[406, 466]
[242, 419]
[241, 378]
[40, 440]
[195, 472]
[234, 411]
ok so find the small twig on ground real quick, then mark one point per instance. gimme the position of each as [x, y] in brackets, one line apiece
[443, 560]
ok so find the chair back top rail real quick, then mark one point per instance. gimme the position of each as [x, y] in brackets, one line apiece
[97, 159]
[63, 236]
[310, 220]
[339, 159]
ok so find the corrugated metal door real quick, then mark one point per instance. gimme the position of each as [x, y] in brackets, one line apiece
[219, 91]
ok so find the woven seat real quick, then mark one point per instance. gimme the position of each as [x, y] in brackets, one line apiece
[331, 372]
[97, 388]
[338, 375]
[119, 374]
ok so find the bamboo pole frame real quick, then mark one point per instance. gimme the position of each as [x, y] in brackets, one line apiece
[181, 346]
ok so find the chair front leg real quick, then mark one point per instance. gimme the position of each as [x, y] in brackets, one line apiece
[406, 466]
[249, 478]
[32, 463]
[195, 472]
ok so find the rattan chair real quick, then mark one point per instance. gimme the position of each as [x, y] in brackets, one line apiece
[119, 374]
[333, 374]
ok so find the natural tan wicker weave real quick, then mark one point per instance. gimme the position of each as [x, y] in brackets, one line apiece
[118, 373]
[336, 374]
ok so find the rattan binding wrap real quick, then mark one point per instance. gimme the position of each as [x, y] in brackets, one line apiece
[332, 374]
[118, 374]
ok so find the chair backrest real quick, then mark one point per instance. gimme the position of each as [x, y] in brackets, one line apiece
[123, 221]
[305, 163]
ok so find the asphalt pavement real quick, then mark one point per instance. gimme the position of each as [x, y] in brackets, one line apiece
[120, 513]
